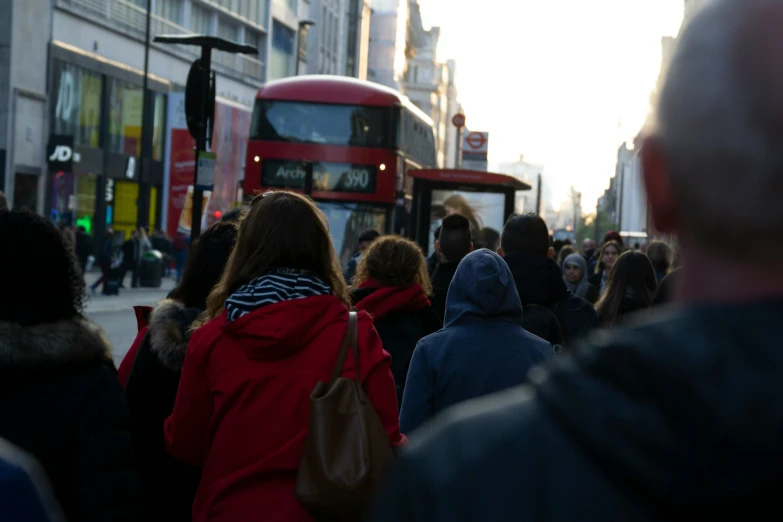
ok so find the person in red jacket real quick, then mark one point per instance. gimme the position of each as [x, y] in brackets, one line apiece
[274, 327]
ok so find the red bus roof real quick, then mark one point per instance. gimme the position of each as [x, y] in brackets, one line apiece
[470, 176]
[322, 88]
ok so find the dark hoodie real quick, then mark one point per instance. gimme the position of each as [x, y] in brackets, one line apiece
[481, 349]
[60, 401]
[674, 418]
[539, 281]
[168, 486]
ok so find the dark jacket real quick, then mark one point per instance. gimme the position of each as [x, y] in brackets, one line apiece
[168, 486]
[676, 418]
[432, 263]
[399, 329]
[441, 280]
[25, 492]
[481, 349]
[539, 281]
[61, 402]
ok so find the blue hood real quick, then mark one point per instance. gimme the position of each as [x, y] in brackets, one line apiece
[482, 286]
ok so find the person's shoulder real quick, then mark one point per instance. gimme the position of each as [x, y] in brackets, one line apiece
[475, 437]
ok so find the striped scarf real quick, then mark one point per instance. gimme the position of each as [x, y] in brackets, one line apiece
[283, 284]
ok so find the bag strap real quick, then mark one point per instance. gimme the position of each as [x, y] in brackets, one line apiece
[349, 341]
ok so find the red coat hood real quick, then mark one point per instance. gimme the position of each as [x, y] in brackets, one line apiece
[279, 330]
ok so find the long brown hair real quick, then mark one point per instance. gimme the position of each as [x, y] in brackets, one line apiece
[631, 276]
[599, 267]
[281, 230]
[394, 261]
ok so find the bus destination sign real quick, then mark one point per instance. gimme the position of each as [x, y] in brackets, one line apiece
[327, 177]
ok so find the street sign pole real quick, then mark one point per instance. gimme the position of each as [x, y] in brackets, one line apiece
[458, 121]
[201, 115]
[201, 144]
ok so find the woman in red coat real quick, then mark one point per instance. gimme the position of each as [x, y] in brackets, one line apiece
[275, 326]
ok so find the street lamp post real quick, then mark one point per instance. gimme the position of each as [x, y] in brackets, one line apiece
[301, 43]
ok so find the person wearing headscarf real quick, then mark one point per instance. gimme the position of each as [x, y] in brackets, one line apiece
[576, 278]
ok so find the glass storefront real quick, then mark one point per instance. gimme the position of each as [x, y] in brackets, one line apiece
[26, 191]
[76, 108]
[125, 102]
[159, 127]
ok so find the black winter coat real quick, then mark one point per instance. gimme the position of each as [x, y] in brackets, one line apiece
[441, 280]
[60, 401]
[400, 332]
[168, 485]
[539, 281]
[674, 418]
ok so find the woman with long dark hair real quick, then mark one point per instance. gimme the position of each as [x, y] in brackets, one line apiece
[59, 396]
[169, 486]
[631, 286]
[392, 285]
[606, 260]
[274, 327]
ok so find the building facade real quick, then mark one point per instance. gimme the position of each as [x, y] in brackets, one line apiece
[389, 43]
[72, 102]
[339, 43]
[527, 172]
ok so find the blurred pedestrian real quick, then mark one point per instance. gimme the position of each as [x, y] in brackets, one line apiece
[366, 238]
[631, 287]
[25, 491]
[576, 278]
[105, 259]
[588, 252]
[156, 358]
[59, 396]
[392, 286]
[434, 258]
[84, 248]
[549, 311]
[276, 322]
[482, 347]
[564, 253]
[454, 244]
[662, 258]
[606, 260]
[180, 247]
[667, 288]
[678, 417]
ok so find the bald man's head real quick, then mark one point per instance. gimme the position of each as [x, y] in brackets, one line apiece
[714, 166]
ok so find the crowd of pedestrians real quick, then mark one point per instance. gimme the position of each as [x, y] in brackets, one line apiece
[526, 381]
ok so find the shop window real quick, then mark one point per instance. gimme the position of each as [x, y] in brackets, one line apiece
[159, 127]
[126, 212]
[281, 60]
[125, 118]
[172, 10]
[201, 20]
[76, 104]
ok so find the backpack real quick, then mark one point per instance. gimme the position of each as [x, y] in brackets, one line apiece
[541, 321]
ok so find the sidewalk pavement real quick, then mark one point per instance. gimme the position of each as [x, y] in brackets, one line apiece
[128, 297]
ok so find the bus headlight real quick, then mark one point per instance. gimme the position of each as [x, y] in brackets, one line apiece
[382, 166]
[256, 159]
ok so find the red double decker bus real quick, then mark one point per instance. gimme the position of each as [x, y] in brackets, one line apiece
[347, 143]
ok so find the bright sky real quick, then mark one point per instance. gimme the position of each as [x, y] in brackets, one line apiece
[563, 82]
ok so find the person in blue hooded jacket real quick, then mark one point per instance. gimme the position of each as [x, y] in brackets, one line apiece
[482, 348]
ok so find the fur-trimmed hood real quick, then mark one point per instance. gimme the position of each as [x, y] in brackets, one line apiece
[52, 344]
[169, 332]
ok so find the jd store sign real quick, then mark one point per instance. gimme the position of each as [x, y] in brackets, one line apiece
[60, 155]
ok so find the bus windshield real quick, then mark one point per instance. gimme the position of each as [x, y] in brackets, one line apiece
[320, 123]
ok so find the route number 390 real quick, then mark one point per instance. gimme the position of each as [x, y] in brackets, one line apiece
[357, 178]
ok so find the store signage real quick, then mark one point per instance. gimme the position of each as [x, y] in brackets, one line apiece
[60, 154]
[130, 170]
[327, 177]
[109, 190]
